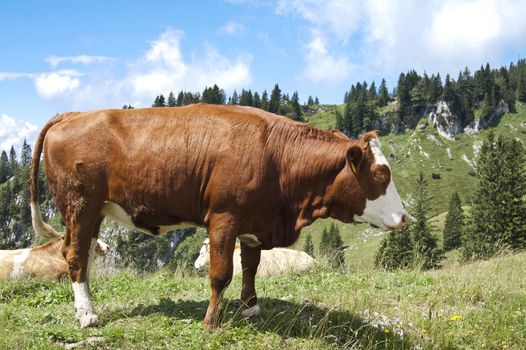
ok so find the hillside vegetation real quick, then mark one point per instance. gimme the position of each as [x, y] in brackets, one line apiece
[472, 306]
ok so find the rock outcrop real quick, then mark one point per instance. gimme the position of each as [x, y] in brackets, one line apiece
[445, 122]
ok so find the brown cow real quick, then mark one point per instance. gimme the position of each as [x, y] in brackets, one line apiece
[239, 171]
[44, 261]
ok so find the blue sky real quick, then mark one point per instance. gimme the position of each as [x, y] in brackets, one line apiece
[58, 56]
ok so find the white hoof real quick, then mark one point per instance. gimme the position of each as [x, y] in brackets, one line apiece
[251, 312]
[87, 319]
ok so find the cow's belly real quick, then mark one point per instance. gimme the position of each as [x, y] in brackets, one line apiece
[119, 215]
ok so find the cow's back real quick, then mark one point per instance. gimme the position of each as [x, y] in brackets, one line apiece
[163, 165]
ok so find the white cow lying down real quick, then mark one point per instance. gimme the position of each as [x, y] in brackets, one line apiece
[45, 261]
[273, 262]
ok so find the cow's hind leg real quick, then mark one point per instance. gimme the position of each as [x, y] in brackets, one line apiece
[250, 258]
[222, 243]
[79, 249]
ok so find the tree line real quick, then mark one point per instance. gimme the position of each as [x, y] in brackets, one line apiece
[416, 94]
[364, 104]
[277, 102]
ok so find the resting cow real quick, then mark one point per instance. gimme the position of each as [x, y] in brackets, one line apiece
[273, 262]
[45, 261]
[238, 171]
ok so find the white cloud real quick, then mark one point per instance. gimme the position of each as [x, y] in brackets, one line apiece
[232, 28]
[13, 133]
[14, 75]
[80, 59]
[163, 68]
[340, 18]
[55, 84]
[389, 36]
[322, 66]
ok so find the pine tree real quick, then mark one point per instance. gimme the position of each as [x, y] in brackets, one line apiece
[336, 247]
[296, 108]
[13, 162]
[308, 247]
[344, 123]
[488, 107]
[395, 250]
[521, 87]
[371, 94]
[172, 102]
[447, 93]
[383, 97]
[213, 95]
[180, 99]
[417, 94]
[436, 88]
[257, 100]
[404, 97]
[427, 255]
[5, 168]
[454, 223]
[250, 98]
[246, 98]
[159, 101]
[310, 101]
[316, 101]
[332, 246]
[498, 211]
[235, 98]
[264, 101]
[25, 155]
[323, 249]
[358, 111]
[275, 99]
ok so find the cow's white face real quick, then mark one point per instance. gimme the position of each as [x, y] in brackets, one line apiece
[203, 260]
[387, 211]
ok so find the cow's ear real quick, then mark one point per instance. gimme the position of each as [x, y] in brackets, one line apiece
[354, 157]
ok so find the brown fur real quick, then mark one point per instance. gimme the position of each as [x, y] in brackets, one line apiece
[233, 169]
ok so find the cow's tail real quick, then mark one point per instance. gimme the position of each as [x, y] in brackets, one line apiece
[40, 227]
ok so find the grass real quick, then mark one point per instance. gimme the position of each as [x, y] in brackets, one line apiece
[472, 306]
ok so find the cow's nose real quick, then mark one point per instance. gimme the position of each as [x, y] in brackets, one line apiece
[404, 219]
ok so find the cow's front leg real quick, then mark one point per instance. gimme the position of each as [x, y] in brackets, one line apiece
[222, 242]
[250, 258]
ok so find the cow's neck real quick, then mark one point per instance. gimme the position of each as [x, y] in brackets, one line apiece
[309, 166]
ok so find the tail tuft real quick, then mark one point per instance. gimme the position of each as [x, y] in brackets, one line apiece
[40, 227]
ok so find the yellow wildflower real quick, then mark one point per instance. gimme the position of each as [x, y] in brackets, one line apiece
[456, 318]
[387, 331]
[440, 315]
